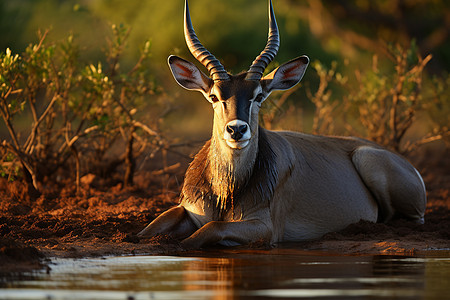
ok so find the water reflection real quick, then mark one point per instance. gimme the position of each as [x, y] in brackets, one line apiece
[236, 274]
[287, 274]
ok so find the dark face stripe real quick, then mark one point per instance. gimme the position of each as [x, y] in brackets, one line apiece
[237, 108]
[236, 94]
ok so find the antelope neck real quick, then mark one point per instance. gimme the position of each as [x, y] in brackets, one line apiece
[231, 167]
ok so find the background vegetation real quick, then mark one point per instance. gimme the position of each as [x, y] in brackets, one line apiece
[81, 95]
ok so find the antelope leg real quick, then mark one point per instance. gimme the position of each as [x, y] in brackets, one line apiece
[241, 232]
[175, 222]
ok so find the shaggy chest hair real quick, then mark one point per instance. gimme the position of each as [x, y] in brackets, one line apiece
[223, 184]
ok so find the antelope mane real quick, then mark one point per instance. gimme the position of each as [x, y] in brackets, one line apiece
[225, 184]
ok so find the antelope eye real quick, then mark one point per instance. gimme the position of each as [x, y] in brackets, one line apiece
[259, 98]
[213, 98]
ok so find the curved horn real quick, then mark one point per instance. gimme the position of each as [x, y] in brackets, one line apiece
[215, 68]
[267, 55]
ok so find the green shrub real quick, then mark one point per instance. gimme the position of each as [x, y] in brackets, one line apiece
[381, 102]
[63, 114]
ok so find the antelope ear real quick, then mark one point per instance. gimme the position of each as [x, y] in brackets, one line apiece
[287, 75]
[188, 75]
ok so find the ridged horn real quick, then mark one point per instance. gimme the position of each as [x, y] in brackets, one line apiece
[215, 68]
[261, 62]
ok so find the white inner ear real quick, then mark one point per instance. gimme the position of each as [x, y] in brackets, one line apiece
[188, 75]
[287, 75]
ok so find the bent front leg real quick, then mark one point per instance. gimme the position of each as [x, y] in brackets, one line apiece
[174, 221]
[241, 232]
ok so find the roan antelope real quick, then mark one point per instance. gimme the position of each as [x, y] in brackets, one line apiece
[249, 184]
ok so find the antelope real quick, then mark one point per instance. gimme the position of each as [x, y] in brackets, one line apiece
[249, 184]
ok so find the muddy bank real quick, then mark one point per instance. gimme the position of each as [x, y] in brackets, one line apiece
[104, 218]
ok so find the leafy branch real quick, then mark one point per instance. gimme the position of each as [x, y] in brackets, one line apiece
[78, 111]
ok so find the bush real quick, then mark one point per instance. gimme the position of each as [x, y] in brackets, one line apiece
[78, 111]
[380, 103]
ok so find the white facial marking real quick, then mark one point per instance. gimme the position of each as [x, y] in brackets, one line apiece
[257, 91]
[237, 145]
[208, 96]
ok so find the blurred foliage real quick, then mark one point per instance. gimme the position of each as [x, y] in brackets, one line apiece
[351, 26]
[324, 29]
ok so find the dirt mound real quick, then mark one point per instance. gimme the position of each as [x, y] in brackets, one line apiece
[17, 257]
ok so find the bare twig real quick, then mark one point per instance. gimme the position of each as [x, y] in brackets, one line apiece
[30, 141]
[70, 145]
[129, 160]
[24, 161]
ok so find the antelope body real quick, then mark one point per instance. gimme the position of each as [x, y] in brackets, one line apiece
[249, 184]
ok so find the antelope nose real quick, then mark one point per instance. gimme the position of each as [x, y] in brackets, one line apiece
[237, 131]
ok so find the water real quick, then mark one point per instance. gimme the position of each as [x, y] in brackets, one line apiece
[236, 274]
